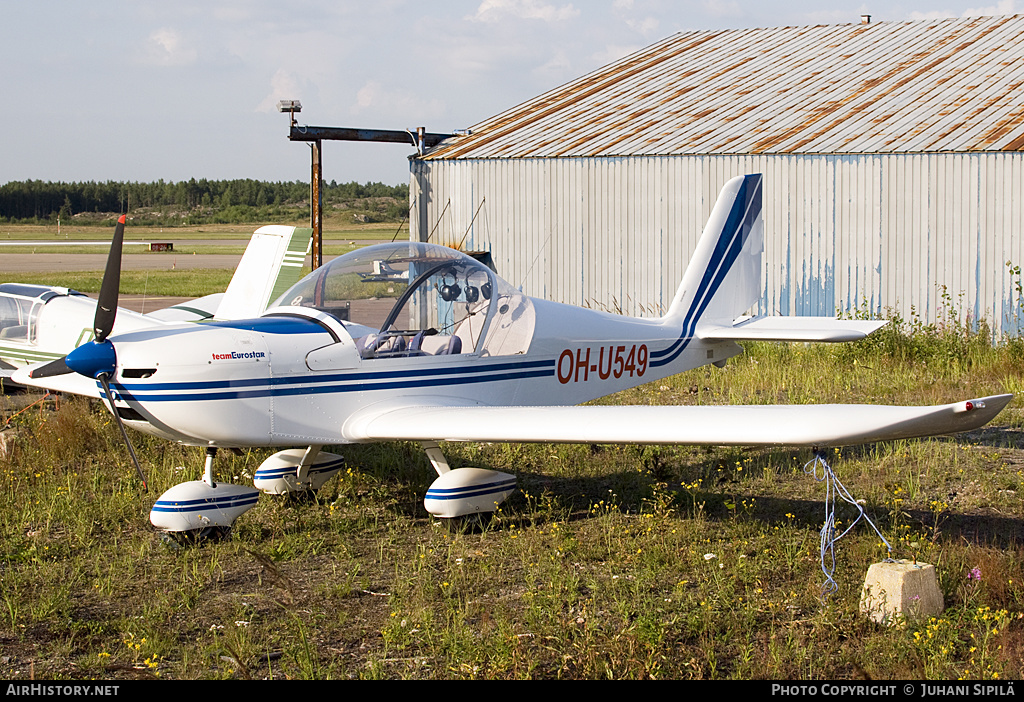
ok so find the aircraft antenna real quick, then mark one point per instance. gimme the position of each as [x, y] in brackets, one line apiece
[535, 259]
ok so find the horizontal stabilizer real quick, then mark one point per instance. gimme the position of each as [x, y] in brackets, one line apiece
[732, 425]
[827, 329]
[192, 311]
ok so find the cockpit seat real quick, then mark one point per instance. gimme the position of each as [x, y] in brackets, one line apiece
[435, 345]
[454, 347]
[416, 344]
[17, 331]
[378, 345]
[422, 344]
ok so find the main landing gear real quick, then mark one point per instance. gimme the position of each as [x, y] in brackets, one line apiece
[464, 493]
[201, 509]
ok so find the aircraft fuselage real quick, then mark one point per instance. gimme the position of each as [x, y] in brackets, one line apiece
[296, 376]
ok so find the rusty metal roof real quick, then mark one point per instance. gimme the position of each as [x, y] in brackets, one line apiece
[885, 87]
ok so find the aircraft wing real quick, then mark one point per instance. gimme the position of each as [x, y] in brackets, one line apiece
[733, 425]
[827, 329]
[68, 382]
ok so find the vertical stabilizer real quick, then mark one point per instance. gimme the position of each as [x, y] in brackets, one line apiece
[723, 279]
[272, 263]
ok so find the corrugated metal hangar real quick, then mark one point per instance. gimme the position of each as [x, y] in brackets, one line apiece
[893, 156]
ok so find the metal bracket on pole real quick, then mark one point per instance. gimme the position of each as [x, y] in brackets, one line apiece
[422, 140]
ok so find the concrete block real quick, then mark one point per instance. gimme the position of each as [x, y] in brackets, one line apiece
[895, 591]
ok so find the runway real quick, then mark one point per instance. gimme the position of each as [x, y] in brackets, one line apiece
[42, 262]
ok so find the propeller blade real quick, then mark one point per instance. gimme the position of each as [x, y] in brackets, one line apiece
[104, 379]
[56, 367]
[106, 307]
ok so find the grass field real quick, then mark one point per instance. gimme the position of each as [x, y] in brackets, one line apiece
[621, 562]
[235, 237]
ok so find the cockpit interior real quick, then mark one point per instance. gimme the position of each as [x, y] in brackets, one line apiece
[412, 299]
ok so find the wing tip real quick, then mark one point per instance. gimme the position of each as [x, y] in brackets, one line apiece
[994, 404]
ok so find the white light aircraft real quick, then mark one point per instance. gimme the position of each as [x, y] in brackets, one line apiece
[457, 354]
[43, 323]
[382, 270]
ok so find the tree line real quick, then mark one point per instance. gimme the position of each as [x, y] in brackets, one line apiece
[34, 201]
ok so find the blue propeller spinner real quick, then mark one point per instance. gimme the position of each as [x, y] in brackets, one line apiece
[93, 360]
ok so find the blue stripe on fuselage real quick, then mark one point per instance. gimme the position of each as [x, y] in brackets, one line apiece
[321, 378]
[278, 324]
[335, 383]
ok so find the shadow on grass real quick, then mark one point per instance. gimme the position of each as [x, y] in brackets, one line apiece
[574, 497]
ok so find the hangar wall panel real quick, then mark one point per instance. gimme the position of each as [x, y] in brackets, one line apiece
[922, 235]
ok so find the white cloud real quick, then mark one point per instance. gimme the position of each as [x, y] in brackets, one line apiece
[613, 52]
[558, 65]
[1003, 7]
[646, 26]
[167, 47]
[496, 10]
[368, 95]
[284, 85]
[722, 8]
[375, 99]
[932, 15]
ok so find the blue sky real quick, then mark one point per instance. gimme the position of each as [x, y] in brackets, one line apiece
[146, 90]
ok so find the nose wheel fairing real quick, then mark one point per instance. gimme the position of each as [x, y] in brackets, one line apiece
[195, 506]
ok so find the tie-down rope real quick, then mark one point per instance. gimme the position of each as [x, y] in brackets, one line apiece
[829, 538]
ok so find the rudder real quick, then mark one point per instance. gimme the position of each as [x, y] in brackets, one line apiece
[723, 278]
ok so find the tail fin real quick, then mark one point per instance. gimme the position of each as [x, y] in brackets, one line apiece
[272, 263]
[723, 279]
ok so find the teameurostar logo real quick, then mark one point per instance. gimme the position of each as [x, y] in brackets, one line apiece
[238, 355]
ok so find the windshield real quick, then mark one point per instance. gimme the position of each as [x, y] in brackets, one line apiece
[419, 299]
[19, 309]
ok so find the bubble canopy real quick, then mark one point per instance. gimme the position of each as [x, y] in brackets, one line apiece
[419, 300]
